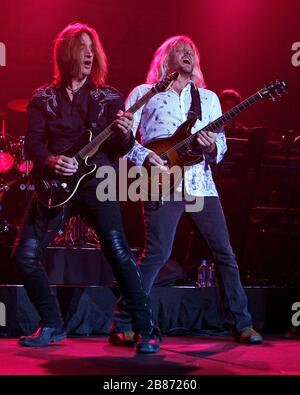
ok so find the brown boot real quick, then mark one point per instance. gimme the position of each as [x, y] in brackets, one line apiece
[248, 335]
[122, 339]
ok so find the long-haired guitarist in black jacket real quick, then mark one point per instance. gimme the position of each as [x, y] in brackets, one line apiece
[157, 123]
[59, 113]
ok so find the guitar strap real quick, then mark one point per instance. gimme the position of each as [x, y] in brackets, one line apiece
[195, 110]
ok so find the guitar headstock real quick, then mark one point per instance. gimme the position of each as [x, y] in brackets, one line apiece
[274, 90]
[166, 83]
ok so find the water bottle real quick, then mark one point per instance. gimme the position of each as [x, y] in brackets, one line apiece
[211, 276]
[202, 274]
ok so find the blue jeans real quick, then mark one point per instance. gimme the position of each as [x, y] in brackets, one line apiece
[160, 226]
[41, 225]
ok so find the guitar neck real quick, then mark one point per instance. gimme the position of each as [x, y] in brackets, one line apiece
[139, 103]
[216, 124]
[92, 147]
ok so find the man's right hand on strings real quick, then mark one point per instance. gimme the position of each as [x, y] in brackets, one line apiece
[62, 165]
[152, 159]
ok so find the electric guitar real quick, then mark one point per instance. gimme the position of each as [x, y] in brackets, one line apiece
[179, 149]
[53, 190]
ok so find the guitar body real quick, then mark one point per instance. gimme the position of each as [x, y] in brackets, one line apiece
[54, 190]
[173, 148]
[177, 154]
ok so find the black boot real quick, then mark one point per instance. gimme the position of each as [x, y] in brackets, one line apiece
[148, 343]
[42, 337]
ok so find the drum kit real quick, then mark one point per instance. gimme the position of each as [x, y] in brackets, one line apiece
[15, 190]
[12, 148]
[12, 155]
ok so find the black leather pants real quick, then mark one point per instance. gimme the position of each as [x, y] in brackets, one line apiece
[41, 225]
[27, 255]
[135, 300]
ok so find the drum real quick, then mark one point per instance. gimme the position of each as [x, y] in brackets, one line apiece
[15, 198]
[6, 157]
[22, 164]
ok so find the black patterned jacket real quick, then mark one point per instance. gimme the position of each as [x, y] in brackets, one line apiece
[54, 122]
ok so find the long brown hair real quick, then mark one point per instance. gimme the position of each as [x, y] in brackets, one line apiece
[66, 54]
[159, 65]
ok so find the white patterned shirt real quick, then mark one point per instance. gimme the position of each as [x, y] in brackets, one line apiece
[162, 115]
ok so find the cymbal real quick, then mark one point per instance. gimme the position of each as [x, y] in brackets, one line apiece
[18, 104]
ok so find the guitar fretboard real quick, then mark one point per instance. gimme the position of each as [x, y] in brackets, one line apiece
[93, 146]
[217, 123]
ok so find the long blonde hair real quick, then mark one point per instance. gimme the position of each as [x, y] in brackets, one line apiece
[159, 65]
[65, 55]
